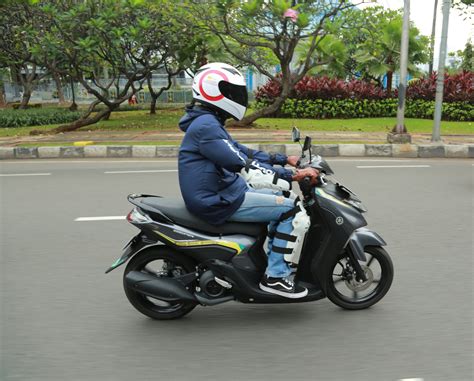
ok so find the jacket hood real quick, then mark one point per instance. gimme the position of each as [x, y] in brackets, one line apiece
[192, 112]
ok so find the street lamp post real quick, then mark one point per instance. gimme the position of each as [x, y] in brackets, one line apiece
[399, 133]
[436, 137]
[433, 30]
[403, 69]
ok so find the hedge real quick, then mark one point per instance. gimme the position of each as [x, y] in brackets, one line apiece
[457, 88]
[365, 108]
[36, 117]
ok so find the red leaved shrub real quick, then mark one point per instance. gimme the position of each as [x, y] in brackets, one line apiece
[268, 92]
[457, 87]
[332, 88]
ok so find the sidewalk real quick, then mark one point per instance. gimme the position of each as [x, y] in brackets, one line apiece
[243, 135]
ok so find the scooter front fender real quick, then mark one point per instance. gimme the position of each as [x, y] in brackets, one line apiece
[361, 238]
[134, 246]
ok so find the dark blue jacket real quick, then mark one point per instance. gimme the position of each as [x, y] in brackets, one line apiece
[209, 160]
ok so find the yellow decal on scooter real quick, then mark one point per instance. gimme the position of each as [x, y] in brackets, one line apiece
[327, 196]
[231, 245]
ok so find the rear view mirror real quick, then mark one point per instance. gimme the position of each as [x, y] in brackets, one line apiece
[307, 143]
[295, 134]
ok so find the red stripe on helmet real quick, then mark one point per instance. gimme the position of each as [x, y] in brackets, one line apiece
[201, 89]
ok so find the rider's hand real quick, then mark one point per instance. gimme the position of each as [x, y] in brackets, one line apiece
[307, 172]
[292, 160]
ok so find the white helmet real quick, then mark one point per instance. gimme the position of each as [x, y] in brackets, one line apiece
[221, 86]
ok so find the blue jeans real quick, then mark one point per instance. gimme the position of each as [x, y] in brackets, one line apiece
[266, 205]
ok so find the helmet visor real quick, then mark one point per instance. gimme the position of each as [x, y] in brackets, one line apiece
[235, 93]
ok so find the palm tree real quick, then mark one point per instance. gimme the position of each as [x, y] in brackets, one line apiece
[380, 54]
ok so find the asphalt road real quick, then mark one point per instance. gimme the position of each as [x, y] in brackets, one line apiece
[63, 319]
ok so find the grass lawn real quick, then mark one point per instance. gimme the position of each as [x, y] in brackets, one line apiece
[177, 143]
[167, 120]
[367, 125]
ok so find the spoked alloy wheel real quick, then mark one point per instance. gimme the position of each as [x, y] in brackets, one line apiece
[159, 262]
[344, 290]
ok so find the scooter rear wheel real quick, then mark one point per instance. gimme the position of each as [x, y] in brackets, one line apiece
[161, 262]
[345, 291]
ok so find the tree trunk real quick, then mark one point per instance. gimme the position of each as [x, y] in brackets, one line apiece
[288, 82]
[25, 98]
[59, 88]
[81, 122]
[3, 101]
[270, 109]
[153, 104]
[155, 95]
[107, 116]
[389, 81]
[73, 106]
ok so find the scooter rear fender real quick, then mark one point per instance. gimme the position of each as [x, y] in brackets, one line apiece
[134, 246]
[361, 238]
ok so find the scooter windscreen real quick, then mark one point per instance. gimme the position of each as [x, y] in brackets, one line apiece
[320, 164]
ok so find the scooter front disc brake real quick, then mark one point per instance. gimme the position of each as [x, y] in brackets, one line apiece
[353, 285]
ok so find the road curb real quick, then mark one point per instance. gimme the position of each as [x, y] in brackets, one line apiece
[327, 150]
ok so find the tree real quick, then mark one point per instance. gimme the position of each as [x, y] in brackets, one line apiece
[175, 47]
[257, 32]
[15, 47]
[465, 7]
[361, 26]
[379, 53]
[454, 62]
[3, 74]
[467, 57]
[104, 43]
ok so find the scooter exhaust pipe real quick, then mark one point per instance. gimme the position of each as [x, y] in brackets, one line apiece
[167, 289]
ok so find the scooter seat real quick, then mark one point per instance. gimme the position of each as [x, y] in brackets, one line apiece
[175, 210]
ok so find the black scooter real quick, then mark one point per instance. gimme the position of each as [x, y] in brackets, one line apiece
[179, 261]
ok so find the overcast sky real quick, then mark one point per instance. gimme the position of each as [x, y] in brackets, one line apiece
[421, 13]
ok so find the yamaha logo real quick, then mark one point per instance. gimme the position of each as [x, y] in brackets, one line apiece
[339, 220]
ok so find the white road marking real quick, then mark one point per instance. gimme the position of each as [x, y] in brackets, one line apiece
[67, 161]
[144, 171]
[374, 160]
[393, 166]
[24, 174]
[103, 218]
[411, 379]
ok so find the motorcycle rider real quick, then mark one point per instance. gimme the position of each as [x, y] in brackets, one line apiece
[222, 180]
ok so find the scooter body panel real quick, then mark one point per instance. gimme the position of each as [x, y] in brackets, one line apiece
[199, 246]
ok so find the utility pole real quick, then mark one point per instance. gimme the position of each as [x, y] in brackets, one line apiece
[403, 69]
[433, 33]
[436, 137]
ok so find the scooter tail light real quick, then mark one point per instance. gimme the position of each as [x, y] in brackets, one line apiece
[137, 216]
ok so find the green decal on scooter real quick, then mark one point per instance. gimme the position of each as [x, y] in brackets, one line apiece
[118, 262]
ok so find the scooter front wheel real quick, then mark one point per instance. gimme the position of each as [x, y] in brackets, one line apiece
[343, 289]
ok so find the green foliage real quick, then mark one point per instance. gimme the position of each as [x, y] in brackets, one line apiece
[467, 57]
[366, 108]
[36, 117]
[373, 38]
[298, 36]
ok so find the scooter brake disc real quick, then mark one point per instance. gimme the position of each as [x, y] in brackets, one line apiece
[353, 285]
